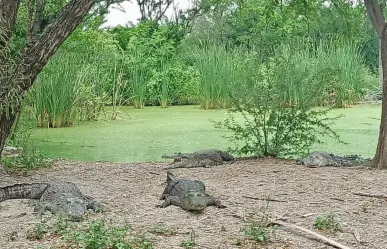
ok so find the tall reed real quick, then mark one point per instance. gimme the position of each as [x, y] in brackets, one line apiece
[333, 73]
[69, 89]
[137, 73]
[216, 66]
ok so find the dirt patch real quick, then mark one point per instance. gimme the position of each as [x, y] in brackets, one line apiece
[131, 191]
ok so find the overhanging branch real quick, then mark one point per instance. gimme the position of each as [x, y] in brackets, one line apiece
[8, 14]
[376, 15]
[39, 52]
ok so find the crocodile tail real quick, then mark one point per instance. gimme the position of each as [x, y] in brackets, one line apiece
[23, 191]
[226, 156]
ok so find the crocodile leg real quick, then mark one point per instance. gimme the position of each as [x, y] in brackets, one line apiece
[168, 189]
[212, 201]
[184, 163]
[169, 200]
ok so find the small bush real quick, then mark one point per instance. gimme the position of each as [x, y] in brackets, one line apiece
[327, 222]
[188, 244]
[257, 232]
[176, 83]
[96, 234]
[270, 125]
[31, 157]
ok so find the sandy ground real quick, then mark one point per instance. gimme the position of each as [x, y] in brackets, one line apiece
[131, 191]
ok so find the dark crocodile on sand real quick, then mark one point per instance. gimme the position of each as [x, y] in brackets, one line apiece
[190, 195]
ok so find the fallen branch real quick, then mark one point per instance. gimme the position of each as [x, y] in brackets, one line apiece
[356, 234]
[262, 199]
[371, 195]
[308, 214]
[319, 236]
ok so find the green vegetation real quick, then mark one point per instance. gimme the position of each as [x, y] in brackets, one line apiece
[106, 91]
[31, 157]
[327, 222]
[95, 234]
[258, 232]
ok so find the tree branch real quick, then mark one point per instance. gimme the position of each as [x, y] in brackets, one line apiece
[39, 52]
[375, 13]
[8, 14]
[36, 19]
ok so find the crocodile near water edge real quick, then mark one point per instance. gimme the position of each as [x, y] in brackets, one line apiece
[202, 158]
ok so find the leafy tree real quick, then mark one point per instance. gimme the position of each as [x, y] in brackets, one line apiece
[48, 23]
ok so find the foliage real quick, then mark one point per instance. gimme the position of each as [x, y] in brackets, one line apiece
[188, 244]
[272, 126]
[95, 234]
[333, 73]
[168, 63]
[216, 66]
[327, 222]
[31, 157]
[73, 93]
[258, 232]
[176, 83]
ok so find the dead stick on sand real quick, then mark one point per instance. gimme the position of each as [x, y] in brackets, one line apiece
[319, 236]
[262, 199]
[371, 195]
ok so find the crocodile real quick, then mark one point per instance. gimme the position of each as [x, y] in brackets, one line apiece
[63, 198]
[323, 159]
[202, 158]
[190, 195]
[10, 151]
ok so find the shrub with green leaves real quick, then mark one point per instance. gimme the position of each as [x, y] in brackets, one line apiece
[176, 83]
[270, 126]
[95, 234]
[102, 234]
[31, 157]
[327, 222]
[258, 232]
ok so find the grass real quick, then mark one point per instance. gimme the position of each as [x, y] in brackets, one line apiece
[95, 234]
[153, 131]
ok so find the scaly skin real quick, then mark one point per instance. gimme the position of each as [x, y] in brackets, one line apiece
[190, 195]
[203, 158]
[63, 198]
[323, 159]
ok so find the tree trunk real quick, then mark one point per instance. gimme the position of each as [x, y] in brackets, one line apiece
[36, 54]
[6, 124]
[380, 66]
[380, 159]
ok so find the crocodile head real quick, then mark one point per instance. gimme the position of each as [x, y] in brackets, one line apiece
[194, 201]
[74, 208]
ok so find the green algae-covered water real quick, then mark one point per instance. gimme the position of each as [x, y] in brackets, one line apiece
[146, 134]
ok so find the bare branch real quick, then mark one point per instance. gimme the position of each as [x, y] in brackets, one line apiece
[376, 15]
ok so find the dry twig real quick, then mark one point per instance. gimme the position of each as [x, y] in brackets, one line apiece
[371, 195]
[262, 199]
[319, 236]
